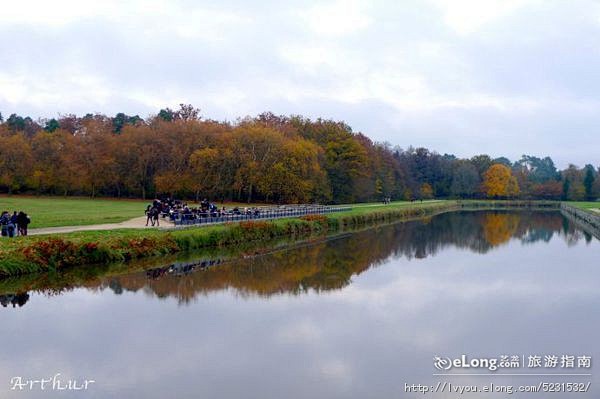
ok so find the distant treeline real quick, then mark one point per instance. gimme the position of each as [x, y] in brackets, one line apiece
[267, 158]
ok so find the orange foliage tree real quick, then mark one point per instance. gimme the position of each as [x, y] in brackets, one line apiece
[498, 181]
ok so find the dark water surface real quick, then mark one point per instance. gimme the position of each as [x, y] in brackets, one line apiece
[357, 316]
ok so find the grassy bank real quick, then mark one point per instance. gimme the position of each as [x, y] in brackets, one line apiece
[74, 211]
[593, 206]
[60, 211]
[40, 253]
[54, 252]
[513, 204]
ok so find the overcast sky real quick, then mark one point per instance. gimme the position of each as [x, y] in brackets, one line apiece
[503, 77]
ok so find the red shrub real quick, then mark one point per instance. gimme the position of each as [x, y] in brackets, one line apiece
[52, 252]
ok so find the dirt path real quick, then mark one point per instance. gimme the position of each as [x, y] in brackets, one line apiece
[135, 223]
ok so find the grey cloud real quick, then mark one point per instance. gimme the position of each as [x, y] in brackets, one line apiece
[520, 83]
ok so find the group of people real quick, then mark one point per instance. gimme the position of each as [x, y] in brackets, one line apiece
[15, 224]
[206, 209]
[179, 210]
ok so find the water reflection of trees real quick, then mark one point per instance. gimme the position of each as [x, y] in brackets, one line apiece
[476, 231]
[330, 264]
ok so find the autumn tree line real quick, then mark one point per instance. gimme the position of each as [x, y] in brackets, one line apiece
[268, 158]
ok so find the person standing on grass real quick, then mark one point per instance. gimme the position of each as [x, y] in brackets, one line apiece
[13, 220]
[4, 220]
[10, 226]
[22, 223]
[149, 214]
[155, 215]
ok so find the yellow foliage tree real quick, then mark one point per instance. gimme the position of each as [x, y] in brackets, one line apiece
[498, 181]
[426, 191]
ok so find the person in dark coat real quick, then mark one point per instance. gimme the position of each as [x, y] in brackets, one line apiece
[13, 221]
[149, 214]
[4, 221]
[155, 215]
[22, 223]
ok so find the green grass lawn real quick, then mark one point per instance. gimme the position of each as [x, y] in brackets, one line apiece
[60, 211]
[590, 205]
[65, 211]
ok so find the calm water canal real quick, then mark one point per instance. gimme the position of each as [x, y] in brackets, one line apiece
[356, 316]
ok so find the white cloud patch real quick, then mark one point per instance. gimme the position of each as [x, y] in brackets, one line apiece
[151, 17]
[338, 17]
[468, 16]
[21, 90]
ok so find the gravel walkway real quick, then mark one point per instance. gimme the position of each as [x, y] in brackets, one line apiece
[135, 223]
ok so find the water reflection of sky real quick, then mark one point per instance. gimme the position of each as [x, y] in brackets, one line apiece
[364, 340]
